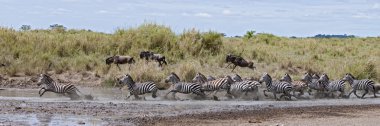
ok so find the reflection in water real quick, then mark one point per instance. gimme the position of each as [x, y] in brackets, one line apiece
[48, 120]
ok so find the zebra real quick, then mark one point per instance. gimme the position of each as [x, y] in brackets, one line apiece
[50, 85]
[215, 85]
[299, 86]
[200, 78]
[182, 87]
[332, 86]
[312, 82]
[276, 87]
[246, 86]
[365, 85]
[136, 89]
[120, 60]
[210, 78]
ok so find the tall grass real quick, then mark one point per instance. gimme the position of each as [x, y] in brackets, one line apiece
[35, 51]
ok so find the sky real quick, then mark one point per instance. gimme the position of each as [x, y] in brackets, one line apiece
[299, 18]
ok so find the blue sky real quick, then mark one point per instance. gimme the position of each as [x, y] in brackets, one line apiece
[279, 17]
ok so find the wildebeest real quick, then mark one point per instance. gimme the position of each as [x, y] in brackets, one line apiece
[153, 56]
[238, 61]
[120, 60]
[145, 55]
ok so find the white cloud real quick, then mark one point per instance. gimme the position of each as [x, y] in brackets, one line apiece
[185, 14]
[227, 12]
[203, 14]
[61, 11]
[376, 6]
[102, 11]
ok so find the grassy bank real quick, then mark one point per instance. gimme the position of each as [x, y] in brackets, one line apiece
[35, 51]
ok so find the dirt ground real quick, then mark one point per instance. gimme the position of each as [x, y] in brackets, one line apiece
[312, 116]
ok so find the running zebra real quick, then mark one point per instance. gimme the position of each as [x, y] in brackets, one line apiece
[299, 86]
[313, 83]
[183, 87]
[215, 85]
[332, 86]
[365, 85]
[136, 89]
[246, 86]
[276, 87]
[50, 85]
[200, 78]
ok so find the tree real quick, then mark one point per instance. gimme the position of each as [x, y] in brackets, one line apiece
[249, 34]
[57, 27]
[25, 27]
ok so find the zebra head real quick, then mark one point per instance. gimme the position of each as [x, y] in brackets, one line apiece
[348, 77]
[286, 78]
[324, 78]
[315, 76]
[173, 78]
[266, 78]
[306, 77]
[126, 80]
[199, 78]
[236, 78]
[44, 79]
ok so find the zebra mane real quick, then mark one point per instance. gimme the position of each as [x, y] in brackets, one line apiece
[48, 78]
[175, 75]
[349, 74]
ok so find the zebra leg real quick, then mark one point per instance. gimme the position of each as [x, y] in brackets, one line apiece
[44, 92]
[39, 92]
[154, 93]
[130, 94]
[275, 97]
[366, 91]
[309, 91]
[214, 95]
[356, 94]
[264, 91]
[173, 94]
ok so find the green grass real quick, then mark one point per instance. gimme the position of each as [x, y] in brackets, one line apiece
[31, 52]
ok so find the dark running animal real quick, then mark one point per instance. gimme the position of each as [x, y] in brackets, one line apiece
[238, 61]
[148, 55]
[120, 60]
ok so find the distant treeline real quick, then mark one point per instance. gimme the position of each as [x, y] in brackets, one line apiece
[333, 36]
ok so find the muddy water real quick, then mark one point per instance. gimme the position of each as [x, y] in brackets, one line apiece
[25, 107]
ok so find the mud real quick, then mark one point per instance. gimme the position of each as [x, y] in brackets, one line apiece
[25, 107]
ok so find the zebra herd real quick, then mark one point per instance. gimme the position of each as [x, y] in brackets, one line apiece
[234, 85]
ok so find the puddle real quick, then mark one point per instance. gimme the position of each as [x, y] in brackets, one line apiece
[51, 120]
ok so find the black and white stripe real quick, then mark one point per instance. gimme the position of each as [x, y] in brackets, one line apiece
[50, 85]
[245, 86]
[183, 87]
[298, 86]
[138, 88]
[313, 83]
[215, 85]
[365, 85]
[332, 86]
[276, 87]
